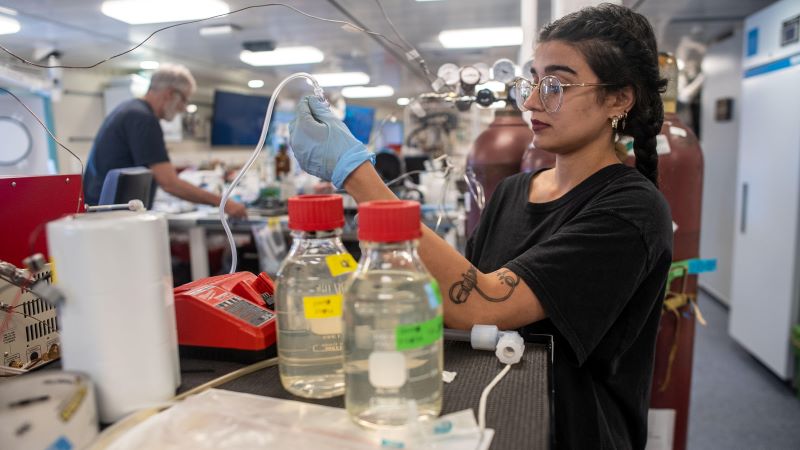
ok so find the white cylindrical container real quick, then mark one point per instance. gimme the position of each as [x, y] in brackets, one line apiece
[118, 317]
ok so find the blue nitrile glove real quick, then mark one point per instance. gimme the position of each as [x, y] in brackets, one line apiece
[323, 145]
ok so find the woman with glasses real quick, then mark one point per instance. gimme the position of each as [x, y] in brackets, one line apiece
[580, 251]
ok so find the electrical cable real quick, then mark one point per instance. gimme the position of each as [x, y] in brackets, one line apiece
[228, 377]
[414, 172]
[28, 150]
[150, 36]
[411, 50]
[188, 22]
[14, 303]
[112, 433]
[10, 309]
[52, 136]
[259, 146]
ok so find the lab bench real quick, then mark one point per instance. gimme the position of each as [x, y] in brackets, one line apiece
[519, 408]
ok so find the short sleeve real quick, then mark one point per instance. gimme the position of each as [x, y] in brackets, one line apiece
[146, 140]
[584, 275]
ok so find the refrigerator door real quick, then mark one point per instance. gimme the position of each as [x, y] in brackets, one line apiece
[765, 273]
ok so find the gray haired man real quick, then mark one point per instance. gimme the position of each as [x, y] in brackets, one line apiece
[131, 136]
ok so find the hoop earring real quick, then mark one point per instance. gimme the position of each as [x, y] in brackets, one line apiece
[623, 118]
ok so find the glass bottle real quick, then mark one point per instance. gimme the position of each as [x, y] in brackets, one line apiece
[309, 298]
[393, 323]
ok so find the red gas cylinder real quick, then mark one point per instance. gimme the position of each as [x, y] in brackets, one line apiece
[535, 159]
[497, 154]
[680, 169]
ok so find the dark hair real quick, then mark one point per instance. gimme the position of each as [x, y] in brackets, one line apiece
[620, 47]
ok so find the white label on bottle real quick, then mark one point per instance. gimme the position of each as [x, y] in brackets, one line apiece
[387, 369]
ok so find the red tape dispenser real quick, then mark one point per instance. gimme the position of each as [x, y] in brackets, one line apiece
[227, 317]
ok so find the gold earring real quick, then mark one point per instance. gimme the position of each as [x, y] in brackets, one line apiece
[623, 118]
[614, 122]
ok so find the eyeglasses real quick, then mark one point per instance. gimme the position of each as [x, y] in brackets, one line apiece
[551, 91]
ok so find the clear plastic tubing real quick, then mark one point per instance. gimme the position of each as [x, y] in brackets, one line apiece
[257, 151]
[393, 323]
[309, 298]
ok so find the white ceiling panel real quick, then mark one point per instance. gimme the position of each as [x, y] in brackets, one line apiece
[84, 35]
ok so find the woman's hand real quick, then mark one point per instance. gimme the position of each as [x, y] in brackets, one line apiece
[323, 145]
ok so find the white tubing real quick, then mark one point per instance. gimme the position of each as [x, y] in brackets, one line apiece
[485, 396]
[254, 156]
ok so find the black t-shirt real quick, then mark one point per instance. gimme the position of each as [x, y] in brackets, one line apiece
[130, 136]
[597, 258]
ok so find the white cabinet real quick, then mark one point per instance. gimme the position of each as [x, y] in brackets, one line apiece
[766, 278]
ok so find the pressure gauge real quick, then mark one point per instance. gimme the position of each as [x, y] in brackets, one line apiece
[526, 68]
[470, 76]
[484, 70]
[449, 73]
[504, 71]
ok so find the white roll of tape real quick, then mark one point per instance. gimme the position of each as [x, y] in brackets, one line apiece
[47, 410]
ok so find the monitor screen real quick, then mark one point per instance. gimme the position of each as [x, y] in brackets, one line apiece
[237, 118]
[359, 120]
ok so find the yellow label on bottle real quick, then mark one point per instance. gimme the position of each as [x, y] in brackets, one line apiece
[323, 306]
[341, 264]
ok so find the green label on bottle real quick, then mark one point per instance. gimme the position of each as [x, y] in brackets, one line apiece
[409, 336]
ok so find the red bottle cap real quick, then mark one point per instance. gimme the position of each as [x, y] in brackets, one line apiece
[389, 221]
[316, 212]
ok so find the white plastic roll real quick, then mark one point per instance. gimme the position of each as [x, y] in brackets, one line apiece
[48, 410]
[118, 317]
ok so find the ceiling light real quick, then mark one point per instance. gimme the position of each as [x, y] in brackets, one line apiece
[149, 65]
[8, 25]
[136, 12]
[341, 79]
[481, 37]
[8, 11]
[255, 84]
[284, 56]
[215, 30]
[403, 101]
[191, 108]
[367, 91]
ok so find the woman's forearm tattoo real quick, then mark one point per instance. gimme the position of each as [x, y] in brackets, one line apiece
[460, 290]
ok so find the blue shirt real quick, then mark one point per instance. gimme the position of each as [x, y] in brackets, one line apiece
[130, 136]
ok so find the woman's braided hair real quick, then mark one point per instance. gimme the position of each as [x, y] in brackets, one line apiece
[620, 47]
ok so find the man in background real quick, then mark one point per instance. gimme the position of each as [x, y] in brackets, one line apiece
[131, 136]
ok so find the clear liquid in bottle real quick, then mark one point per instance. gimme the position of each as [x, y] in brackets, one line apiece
[309, 300]
[393, 328]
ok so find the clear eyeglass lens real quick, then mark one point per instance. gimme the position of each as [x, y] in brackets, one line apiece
[551, 91]
[524, 89]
